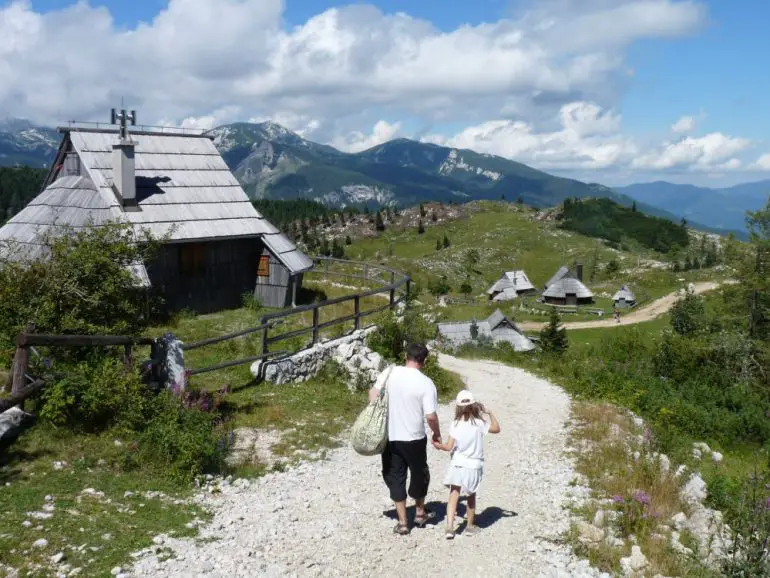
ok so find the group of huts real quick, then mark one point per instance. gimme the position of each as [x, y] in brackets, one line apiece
[564, 288]
[217, 246]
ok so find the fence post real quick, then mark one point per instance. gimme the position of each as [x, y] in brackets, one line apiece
[128, 357]
[392, 297]
[357, 311]
[21, 360]
[326, 269]
[265, 335]
[315, 325]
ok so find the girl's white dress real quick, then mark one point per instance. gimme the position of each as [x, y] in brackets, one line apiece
[466, 467]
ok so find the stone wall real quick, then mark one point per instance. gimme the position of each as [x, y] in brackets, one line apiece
[363, 364]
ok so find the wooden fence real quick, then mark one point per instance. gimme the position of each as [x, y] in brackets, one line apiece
[390, 283]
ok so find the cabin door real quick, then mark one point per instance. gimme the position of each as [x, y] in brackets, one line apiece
[571, 299]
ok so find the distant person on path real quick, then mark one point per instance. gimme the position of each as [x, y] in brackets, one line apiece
[466, 443]
[616, 313]
[412, 400]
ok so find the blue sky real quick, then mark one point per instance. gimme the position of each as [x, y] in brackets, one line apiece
[712, 70]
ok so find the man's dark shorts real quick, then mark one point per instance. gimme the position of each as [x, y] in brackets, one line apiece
[399, 457]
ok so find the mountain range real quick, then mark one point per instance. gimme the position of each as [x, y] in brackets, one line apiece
[723, 208]
[273, 162]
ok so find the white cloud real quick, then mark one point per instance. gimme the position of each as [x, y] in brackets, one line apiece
[358, 141]
[686, 124]
[762, 163]
[591, 138]
[197, 56]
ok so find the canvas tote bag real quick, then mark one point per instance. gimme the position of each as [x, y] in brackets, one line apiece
[369, 434]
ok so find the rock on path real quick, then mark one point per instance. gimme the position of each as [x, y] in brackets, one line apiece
[327, 518]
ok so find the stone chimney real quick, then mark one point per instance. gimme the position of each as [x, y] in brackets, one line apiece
[124, 173]
[579, 271]
[123, 164]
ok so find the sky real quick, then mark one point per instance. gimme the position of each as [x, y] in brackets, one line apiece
[609, 91]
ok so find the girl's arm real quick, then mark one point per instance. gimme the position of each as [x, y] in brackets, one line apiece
[494, 425]
[447, 447]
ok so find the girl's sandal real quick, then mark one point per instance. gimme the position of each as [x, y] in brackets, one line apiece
[450, 534]
[401, 529]
[420, 521]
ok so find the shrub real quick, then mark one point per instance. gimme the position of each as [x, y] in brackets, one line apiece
[182, 441]
[688, 315]
[95, 396]
[391, 336]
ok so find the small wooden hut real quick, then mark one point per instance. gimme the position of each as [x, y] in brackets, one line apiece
[624, 298]
[496, 327]
[510, 286]
[566, 288]
[177, 186]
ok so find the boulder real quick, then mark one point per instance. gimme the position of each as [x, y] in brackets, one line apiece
[589, 534]
[13, 422]
[694, 491]
[634, 563]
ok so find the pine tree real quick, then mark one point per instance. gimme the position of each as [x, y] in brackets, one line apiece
[446, 242]
[420, 228]
[325, 249]
[338, 252]
[502, 197]
[466, 288]
[553, 338]
[438, 244]
[633, 207]
[519, 201]
[696, 262]
[687, 263]
[378, 222]
[677, 267]
[342, 218]
[433, 216]
[422, 210]
[348, 240]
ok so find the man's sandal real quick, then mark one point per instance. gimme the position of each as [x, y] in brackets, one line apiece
[420, 521]
[401, 529]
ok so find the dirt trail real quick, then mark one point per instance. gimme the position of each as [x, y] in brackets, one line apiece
[646, 313]
[333, 517]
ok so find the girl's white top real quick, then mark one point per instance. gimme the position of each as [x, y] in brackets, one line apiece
[469, 443]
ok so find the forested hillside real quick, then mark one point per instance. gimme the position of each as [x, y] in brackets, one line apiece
[18, 186]
[607, 220]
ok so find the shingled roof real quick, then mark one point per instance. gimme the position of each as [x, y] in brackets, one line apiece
[496, 327]
[184, 189]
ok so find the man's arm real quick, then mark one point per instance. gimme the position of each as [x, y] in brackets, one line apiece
[432, 419]
[374, 393]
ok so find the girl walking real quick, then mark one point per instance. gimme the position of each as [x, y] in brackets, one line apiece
[466, 468]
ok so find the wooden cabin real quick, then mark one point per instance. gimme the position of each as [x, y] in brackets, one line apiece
[566, 288]
[497, 327]
[510, 286]
[624, 298]
[175, 184]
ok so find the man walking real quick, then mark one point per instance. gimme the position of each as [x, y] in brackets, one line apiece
[412, 401]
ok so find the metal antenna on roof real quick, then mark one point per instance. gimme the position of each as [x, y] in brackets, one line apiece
[123, 117]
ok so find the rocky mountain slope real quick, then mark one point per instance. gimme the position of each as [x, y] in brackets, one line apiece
[23, 143]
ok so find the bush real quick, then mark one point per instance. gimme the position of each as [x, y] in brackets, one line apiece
[84, 287]
[391, 336]
[182, 441]
[95, 396]
[688, 315]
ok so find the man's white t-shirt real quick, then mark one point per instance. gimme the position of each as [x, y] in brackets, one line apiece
[469, 443]
[411, 396]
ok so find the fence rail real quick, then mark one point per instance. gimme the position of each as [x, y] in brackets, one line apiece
[396, 289]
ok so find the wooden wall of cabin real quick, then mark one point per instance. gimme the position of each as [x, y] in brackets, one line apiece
[208, 276]
[274, 286]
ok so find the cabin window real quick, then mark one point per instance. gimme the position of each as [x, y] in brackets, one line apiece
[263, 268]
[192, 260]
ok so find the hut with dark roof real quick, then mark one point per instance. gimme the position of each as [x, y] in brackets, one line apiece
[497, 328]
[510, 286]
[175, 184]
[566, 288]
[624, 298]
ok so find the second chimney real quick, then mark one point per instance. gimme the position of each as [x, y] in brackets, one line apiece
[123, 172]
[579, 271]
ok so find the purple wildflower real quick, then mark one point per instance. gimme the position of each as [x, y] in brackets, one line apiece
[618, 499]
[642, 497]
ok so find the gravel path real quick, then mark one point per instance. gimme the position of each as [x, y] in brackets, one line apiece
[331, 518]
[646, 313]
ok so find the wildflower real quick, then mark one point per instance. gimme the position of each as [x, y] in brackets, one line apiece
[642, 497]
[618, 499]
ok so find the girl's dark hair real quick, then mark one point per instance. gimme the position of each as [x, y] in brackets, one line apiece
[470, 413]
